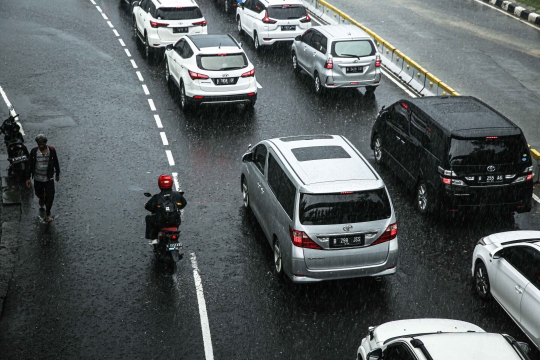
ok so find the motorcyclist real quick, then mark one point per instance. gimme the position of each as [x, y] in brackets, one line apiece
[155, 222]
[11, 130]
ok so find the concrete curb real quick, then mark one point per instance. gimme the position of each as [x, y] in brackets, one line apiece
[8, 251]
[516, 10]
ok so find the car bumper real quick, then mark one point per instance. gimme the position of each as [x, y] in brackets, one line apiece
[333, 83]
[223, 99]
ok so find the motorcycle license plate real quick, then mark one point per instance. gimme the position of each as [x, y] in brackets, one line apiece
[173, 247]
[18, 159]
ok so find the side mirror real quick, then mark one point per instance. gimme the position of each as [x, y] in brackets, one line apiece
[495, 254]
[298, 38]
[524, 347]
[248, 157]
[242, 5]
[147, 194]
[169, 47]
[374, 354]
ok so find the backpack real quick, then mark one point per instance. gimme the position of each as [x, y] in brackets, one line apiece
[167, 213]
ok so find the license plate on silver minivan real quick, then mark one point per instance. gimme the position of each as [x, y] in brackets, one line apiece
[354, 69]
[346, 241]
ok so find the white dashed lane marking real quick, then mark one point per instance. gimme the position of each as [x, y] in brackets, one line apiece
[145, 89]
[536, 198]
[99, 9]
[164, 138]
[93, 2]
[122, 42]
[134, 64]
[175, 180]
[205, 325]
[115, 32]
[152, 106]
[111, 25]
[158, 121]
[139, 75]
[127, 52]
[104, 16]
[169, 157]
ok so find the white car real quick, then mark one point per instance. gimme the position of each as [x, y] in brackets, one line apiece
[269, 21]
[507, 266]
[438, 339]
[158, 23]
[210, 69]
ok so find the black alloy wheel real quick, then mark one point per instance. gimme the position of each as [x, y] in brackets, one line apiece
[256, 43]
[318, 87]
[239, 25]
[423, 201]
[481, 281]
[245, 193]
[184, 101]
[278, 263]
[378, 150]
[296, 68]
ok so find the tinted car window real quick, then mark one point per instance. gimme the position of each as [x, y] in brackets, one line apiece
[398, 352]
[338, 208]
[487, 150]
[306, 38]
[353, 48]
[248, 4]
[400, 117]
[220, 62]
[184, 13]
[526, 260]
[258, 6]
[152, 9]
[318, 42]
[281, 185]
[319, 153]
[285, 12]
[259, 157]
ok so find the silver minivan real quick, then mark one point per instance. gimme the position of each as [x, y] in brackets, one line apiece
[323, 208]
[337, 56]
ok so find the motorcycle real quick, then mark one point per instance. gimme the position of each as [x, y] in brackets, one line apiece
[17, 151]
[168, 246]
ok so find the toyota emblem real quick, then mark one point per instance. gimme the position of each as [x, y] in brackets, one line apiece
[491, 168]
[347, 227]
[225, 75]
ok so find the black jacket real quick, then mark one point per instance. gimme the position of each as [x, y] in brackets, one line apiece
[177, 197]
[54, 166]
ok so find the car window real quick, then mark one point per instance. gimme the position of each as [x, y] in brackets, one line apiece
[286, 11]
[248, 4]
[400, 117]
[398, 352]
[223, 62]
[259, 157]
[487, 150]
[143, 4]
[419, 130]
[318, 42]
[282, 187]
[258, 6]
[179, 13]
[179, 47]
[306, 37]
[353, 48]
[152, 9]
[525, 260]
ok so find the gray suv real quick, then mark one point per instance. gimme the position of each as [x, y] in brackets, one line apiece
[324, 210]
[337, 56]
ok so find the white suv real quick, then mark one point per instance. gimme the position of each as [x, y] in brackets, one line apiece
[269, 21]
[210, 69]
[438, 339]
[158, 23]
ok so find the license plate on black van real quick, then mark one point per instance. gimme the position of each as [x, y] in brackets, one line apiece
[490, 178]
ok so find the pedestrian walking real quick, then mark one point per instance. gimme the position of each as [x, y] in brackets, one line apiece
[43, 166]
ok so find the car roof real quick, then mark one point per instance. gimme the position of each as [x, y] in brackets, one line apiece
[342, 31]
[465, 116]
[468, 346]
[408, 327]
[175, 3]
[283, 2]
[208, 41]
[515, 237]
[326, 163]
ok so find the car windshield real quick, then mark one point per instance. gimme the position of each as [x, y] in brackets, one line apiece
[222, 62]
[353, 48]
[344, 208]
[180, 13]
[487, 150]
[285, 12]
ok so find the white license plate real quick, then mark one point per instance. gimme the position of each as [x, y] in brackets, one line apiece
[288, 27]
[19, 159]
[180, 30]
[354, 69]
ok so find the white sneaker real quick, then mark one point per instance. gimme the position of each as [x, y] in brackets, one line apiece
[154, 242]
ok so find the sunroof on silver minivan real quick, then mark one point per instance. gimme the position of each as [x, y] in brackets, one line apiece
[320, 153]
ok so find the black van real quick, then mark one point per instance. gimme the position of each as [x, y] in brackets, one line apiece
[457, 152]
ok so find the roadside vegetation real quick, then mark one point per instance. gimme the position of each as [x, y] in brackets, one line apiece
[532, 3]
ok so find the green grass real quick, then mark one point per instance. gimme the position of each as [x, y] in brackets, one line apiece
[534, 3]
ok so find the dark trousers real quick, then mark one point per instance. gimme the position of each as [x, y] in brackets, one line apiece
[45, 191]
[152, 227]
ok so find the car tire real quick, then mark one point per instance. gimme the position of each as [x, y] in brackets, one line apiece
[135, 30]
[245, 193]
[481, 281]
[423, 201]
[167, 71]
[278, 262]
[239, 26]
[147, 48]
[256, 43]
[378, 150]
[317, 84]
[370, 89]
[251, 104]
[296, 68]
[184, 101]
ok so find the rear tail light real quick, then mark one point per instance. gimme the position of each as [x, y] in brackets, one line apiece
[155, 24]
[251, 94]
[267, 19]
[378, 62]
[200, 23]
[174, 237]
[300, 239]
[306, 19]
[329, 63]
[249, 73]
[529, 177]
[389, 234]
[198, 97]
[194, 76]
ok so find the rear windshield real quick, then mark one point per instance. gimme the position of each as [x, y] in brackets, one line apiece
[487, 151]
[353, 48]
[222, 62]
[285, 12]
[329, 209]
[184, 13]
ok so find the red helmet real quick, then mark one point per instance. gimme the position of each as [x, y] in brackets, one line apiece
[165, 182]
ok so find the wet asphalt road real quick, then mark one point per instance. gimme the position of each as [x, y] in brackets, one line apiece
[87, 286]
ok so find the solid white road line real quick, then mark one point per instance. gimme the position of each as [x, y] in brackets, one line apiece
[158, 121]
[115, 32]
[122, 42]
[99, 9]
[127, 52]
[205, 325]
[139, 75]
[164, 138]
[169, 157]
[111, 25]
[175, 180]
[152, 106]
[259, 85]
[104, 16]
[133, 63]
[11, 109]
[145, 89]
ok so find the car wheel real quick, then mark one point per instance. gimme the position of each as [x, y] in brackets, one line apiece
[245, 193]
[256, 41]
[167, 72]
[378, 150]
[147, 48]
[239, 25]
[227, 6]
[317, 84]
[296, 68]
[422, 198]
[251, 104]
[135, 30]
[278, 263]
[184, 101]
[481, 280]
[370, 89]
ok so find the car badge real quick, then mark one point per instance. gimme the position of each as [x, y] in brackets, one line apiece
[355, 61]
[491, 168]
[347, 227]
[225, 75]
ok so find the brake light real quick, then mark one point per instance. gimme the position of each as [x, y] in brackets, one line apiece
[174, 237]
[267, 19]
[198, 97]
[378, 62]
[492, 137]
[529, 177]
[194, 76]
[221, 54]
[200, 23]
[346, 192]
[405, 106]
[251, 94]
[389, 234]
[306, 19]
[329, 63]
[249, 73]
[446, 181]
[155, 24]
[300, 239]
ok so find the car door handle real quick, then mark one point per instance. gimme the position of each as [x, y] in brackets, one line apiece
[518, 289]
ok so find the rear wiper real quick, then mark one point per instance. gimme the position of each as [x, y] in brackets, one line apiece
[232, 68]
[349, 55]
